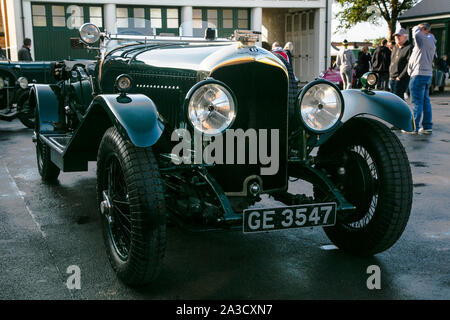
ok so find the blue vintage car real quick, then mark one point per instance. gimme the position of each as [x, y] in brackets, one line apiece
[15, 81]
[194, 129]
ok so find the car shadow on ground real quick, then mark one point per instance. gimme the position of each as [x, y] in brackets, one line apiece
[231, 266]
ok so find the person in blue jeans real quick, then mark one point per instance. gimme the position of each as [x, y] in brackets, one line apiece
[419, 87]
[420, 69]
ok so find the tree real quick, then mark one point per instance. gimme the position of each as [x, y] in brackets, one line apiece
[375, 42]
[356, 11]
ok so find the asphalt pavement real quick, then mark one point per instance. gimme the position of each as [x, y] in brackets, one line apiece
[45, 229]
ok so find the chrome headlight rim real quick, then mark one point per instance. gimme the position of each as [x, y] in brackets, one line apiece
[368, 83]
[198, 86]
[84, 35]
[301, 95]
[22, 82]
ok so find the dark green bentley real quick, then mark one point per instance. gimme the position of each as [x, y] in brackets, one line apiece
[194, 130]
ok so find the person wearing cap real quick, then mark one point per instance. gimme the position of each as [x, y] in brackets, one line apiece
[381, 60]
[398, 70]
[345, 61]
[420, 69]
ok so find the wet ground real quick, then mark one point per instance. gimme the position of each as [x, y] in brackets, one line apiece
[44, 229]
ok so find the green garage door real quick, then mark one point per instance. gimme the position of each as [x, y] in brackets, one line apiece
[54, 24]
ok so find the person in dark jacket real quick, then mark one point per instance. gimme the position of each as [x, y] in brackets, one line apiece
[398, 70]
[381, 60]
[364, 58]
[442, 69]
[25, 52]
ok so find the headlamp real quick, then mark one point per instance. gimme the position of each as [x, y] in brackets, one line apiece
[123, 83]
[89, 33]
[369, 80]
[211, 108]
[2, 83]
[321, 106]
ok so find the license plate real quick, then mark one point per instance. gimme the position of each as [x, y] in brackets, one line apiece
[300, 216]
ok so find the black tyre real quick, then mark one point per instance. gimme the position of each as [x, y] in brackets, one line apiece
[131, 202]
[376, 179]
[26, 112]
[47, 169]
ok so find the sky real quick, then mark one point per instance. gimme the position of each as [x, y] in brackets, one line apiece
[360, 32]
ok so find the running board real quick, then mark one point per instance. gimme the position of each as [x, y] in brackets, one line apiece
[58, 144]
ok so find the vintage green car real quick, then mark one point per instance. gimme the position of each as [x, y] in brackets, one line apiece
[15, 80]
[193, 130]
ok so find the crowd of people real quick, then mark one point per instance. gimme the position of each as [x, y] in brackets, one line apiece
[403, 67]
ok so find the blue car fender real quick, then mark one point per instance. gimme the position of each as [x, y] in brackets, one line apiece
[381, 104]
[46, 100]
[135, 117]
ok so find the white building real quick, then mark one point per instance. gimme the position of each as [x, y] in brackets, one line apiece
[50, 23]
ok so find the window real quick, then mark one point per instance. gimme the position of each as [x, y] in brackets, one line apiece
[58, 16]
[76, 18]
[122, 17]
[172, 18]
[304, 21]
[243, 19]
[289, 23]
[212, 17]
[227, 19]
[155, 18]
[311, 20]
[139, 17]
[39, 18]
[297, 23]
[197, 18]
[95, 16]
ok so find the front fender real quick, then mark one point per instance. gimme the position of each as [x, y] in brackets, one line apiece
[135, 116]
[382, 104]
[45, 99]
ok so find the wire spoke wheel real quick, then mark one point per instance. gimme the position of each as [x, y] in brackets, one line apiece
[132, 208]
[117, 216]
[375, 176]
[364, 193]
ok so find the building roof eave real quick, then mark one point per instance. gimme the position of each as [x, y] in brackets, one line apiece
[425, 17]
